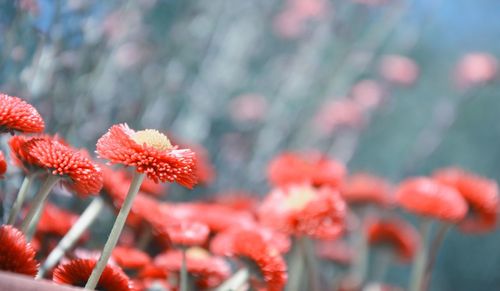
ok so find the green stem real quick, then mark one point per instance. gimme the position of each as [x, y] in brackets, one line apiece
[310, 263]
[21, 195]
[184, 273]
[39, 201]
[235, 282]
[76, 231]
[420, 262]
[436, 243]
[115, 231]
[296, 267]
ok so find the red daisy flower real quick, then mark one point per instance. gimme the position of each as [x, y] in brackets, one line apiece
[223, 243]
[480, 193]
[366, 188]
[425, 196]
[292, 168]
[16, 255]
[187, 233]
[150, 152]
[19, 154]
[238, 200]
[398, 234]
[17, 115]
[55, 221]
[130, 258]
[213, 215]
[304, 210]
[3, 164]
[77, 171]
[209, 270]
[78, 271]
[250, 244]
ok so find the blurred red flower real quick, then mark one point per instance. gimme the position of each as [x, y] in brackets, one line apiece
[187, 233]
[399, 235]
[366, 188]
[55, 221]
[476, 68]
[399, 70]
[17, 115]
[209, 270]
[293, 168]
[16, 254]
[337, 251]
[150, 152]
[78, 271]
[251, 245]
[3, 165]
[338, 113]
[427, 197]
[130, 258]
[303, 210]
[480, 193]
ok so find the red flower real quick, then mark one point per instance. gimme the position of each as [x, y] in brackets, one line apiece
[480, 193]
[20, 155]
[366, 188]
[3, 164]
[150, 152]
[337, 251]
[210, 270]
[223, 243]
[237, 200]
[250, 244]
[292, 168]
[187, 233]
[17, 115]
[427, 197]
[55, 221]
[304, 210]
[401, 236]
[399, 70]
[213, 215]
[77, 171]
[78, 271]
[16, 255]
[475, 69]
[130, 258]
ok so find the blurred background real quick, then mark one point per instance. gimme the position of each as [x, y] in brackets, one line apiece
[394, 87]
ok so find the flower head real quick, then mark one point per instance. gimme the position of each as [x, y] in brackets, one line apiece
[291, 168]
[251, 245]
[366, 188]
[17, 115]
[337, 251]
[16, 255]
[150, 152]
[77, 171]
[480, 193]
[401, 236]
[78, 271]
[304, 210]
[209, 270]
[425, 196]
[3, 164]
[130, 258]
[55, 221]
[188, 233]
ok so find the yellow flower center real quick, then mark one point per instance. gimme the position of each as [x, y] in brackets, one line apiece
[299, 197]
[197, 253]
[152, 138]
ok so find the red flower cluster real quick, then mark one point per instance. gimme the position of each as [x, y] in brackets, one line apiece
[55, 221]
[130, 258]
[17, 115]
[150, 152]
[366, 188]
[16, 255]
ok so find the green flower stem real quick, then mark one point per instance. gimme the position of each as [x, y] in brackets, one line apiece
[311, 263]
[296, 267]
[38, 202]
[21, 195]
[443, 229]
[115, 231]
[236, 282]
[184, 273]
[420, 262]
[76, 231]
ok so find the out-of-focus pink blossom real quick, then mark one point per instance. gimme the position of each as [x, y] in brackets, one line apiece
[291, 23]
[476, 68]
[248, 108]
[399, 70]
[368, 94]
[338, 113]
